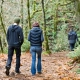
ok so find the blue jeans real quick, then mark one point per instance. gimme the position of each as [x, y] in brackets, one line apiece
[36, 50]
[10, 55]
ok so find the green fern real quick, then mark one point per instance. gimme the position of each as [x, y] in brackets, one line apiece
[75, 55]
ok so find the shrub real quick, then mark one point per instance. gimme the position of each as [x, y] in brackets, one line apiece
[26, 46]
[78, 71]
[75, 55]
[61, 43]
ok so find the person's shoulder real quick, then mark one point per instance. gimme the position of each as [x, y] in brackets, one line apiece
[9, 27]
[74, 32]
[31, 30]
[70, 32]
[19, 27]
[41, 29]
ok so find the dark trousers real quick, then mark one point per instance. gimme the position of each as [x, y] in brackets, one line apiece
[10, 55]
[72, 45]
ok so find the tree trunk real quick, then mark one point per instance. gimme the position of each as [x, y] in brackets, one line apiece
[29, 20]
[1, 18]
[22, 13]
[77, 10]
[34, 5]
[45, 36]
[55, 20]
[1, 45]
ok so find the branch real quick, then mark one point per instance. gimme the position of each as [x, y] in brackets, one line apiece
[67, 3]
[34, 13]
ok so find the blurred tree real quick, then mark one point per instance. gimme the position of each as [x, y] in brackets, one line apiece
[45, 36]
[77, 10]
[1, 17]
[1, 45]
[22, 13]
[29, 19]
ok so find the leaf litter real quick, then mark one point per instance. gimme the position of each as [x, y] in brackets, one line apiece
[54, 67]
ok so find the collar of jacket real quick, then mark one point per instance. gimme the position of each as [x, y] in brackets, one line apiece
[15, 24]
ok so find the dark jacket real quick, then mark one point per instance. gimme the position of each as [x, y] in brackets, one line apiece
[15, 35]
[72, 36]
[36, 36]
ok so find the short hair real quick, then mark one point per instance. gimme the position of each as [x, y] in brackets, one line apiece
[35, 24]
[17, 20]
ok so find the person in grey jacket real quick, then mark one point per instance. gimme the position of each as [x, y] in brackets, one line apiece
[15, 39]
[36, 38]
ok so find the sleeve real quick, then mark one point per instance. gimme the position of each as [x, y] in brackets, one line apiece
[29, 36]
[42, 38]
[7, 35]
[77, 37]
[68, 36]
[21, 37]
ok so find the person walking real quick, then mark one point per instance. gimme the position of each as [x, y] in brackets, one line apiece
[36, 38]
[15, 39]
[72, 37]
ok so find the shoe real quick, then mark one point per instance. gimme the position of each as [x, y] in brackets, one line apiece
[18, 72]
[7, 70]
[33, 74]
[39, 72]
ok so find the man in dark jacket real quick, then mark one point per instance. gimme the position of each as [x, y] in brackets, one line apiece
[36, 38]
[72, 37]
[15, 39]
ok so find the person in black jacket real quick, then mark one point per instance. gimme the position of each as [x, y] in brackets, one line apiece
[36, 38]
[15, 39]
[72, 37]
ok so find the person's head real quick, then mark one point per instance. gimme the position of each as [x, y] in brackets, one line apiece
[72, 27]
[35, 24]
[17, 20]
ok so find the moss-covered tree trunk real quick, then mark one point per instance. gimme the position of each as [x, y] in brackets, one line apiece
[29, 19]
[1, 17]
[22, 13]
[55, 20]
[1, 45]
[34, 9]
[3, 27]
[45, 36]
[77, 11]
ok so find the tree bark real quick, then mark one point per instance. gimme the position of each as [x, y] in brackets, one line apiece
[22, 13]
[1, 17]
[45, 36]
[77, 10]
[56, 19]
[29, 19]
[1, 45]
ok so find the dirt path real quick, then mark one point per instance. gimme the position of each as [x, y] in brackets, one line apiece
[55, 67]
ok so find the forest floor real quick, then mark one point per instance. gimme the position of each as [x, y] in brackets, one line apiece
[54, 67]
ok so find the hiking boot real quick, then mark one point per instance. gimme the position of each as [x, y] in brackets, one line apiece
[39, 72]
[33, 74]
[18, 72]
[7, 70]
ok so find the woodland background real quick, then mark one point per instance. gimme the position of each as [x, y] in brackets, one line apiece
[54, 16]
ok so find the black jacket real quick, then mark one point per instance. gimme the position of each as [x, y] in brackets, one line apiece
[36, 36]
[72, 36]
[15, 35]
